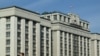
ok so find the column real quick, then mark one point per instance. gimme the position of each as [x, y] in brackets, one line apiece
[37, 39]
[90, 47]
[30, 38]
[71, 44]
[86, 47]
[99, 47]
[85, 25]
[62, 18]
[79, 46]
[50, 42]
[58, 43]
[23, 36]
[82, 46]
[13, 36]
[67, 44]
[63, 43]
[3, 36]
[58, 17]
[82, 24]
[44, 41]
[95, 47]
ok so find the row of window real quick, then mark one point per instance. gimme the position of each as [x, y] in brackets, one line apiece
[7, 35]
[8, 25]
[42, 41]
[75, 43]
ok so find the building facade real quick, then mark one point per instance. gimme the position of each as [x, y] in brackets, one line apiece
[71, 36]
[95, 47]
[47, 34]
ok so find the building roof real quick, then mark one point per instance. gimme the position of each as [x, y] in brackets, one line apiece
[19, 8]
[44, 13]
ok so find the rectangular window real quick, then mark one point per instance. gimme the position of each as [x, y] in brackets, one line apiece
[26, 21]
[18, 49]
[18, 26]
[18, 34]
[80, 22]
[8, 42]
[26, 51]
[48, 17]
[7, 55]
[34, 30]
[60, 17]
[18, 42]
[42, 28]
[7, 19]
[7, 26]
[87, 26]
[34, 23]
[55, 17]
[26, 44]
[47, 29]
[7, 49]
[7, 34]
[19, 19]
[26, 28]
[68, 20]
[34, 37]
[26, 36]
[64, 19]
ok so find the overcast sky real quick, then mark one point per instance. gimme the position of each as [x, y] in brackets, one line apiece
[87, 9]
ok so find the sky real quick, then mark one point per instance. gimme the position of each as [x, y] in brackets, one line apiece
[88, 10]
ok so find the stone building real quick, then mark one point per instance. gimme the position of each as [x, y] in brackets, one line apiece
[47, 34]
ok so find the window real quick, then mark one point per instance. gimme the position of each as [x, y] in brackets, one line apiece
[7, 19]
[47, 29]
[18, 26]
[64, 19]
[26, 21]
[47, 42]
[34, 37]
[55, 17]
[69, 20]
[42, 28]
[19, 19]
[26, 36]
[26, 51]
[83, 24]
[7, 55]
[26, 28]
[34, 23]
[60, 17]
[47, 35]
[42, 54]
[7, 34]
[48, 17]
[87, 26]
[8, 42]
[61, 33]
[34, 30]
[7, 49]
[18, 34]
[26, 43]
[47, 54]
[7, 26]
[18, 49]
[80, 22]
[18, 42]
